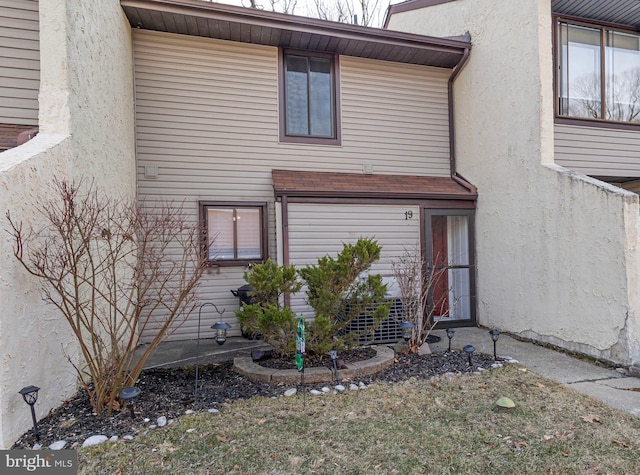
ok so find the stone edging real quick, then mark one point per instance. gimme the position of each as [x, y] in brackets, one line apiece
[245, 366]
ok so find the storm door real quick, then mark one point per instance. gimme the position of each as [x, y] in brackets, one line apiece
[449, 253]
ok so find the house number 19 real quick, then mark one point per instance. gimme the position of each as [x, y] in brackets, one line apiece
[408, 214]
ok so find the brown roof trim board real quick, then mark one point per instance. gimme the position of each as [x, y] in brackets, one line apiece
[227, 22]
[619, 12]
[306, 184]
[408, 6]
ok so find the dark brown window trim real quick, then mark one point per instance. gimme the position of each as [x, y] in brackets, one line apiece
[264, 218]
[284, 138]
[584, 121]
[594, 23]
[597, 123]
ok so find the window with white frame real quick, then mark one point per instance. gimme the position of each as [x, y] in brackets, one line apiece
[234, 233]
[598, 72]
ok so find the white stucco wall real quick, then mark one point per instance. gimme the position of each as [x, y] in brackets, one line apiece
[557, 252]
[86, 131]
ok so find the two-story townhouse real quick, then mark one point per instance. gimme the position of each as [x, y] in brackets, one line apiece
[288, 136]
[547, 121]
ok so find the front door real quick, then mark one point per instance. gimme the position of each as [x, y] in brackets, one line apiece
[449, 255]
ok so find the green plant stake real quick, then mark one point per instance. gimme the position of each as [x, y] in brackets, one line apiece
[300, 344]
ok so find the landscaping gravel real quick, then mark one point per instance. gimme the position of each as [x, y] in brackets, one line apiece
[169, 393]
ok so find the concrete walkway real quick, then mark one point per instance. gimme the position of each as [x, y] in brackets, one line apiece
[609, 385]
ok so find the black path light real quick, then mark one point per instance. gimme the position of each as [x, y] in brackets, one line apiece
[495, 334]
[407, 330]
[129, 394]
[333, 354]
[30, 396]
[220, 327]
[469, 349]
[450, 333]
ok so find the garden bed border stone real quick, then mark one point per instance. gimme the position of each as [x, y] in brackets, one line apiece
[246, 366]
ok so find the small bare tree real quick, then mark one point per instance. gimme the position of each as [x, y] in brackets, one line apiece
[113, 269]
[416, 284]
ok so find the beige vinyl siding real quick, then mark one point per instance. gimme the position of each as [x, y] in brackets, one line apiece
[318, 229]
[19, 62]
[207, 117]
[598, 151]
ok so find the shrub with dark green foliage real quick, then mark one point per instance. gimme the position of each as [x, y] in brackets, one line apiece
[278, 328]
[339, 292]
[267, 316]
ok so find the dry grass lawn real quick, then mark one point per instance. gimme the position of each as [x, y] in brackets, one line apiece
[442, 426]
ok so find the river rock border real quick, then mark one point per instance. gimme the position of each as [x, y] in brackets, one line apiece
[383, 359]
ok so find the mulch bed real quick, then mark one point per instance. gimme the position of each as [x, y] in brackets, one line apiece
[170, 392]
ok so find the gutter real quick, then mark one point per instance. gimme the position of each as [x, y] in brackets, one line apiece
[452, 131]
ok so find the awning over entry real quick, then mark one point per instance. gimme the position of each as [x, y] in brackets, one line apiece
[306, 184]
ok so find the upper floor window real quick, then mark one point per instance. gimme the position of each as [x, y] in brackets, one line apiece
[235, 234]
[309, 98]
[598, 73]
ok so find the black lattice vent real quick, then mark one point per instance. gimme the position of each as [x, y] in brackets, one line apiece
[388, 331]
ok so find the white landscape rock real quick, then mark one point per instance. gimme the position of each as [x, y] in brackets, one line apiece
[362, 385]
[340, 388]
[58, 445]
[113, 438]
[146, 419]
[315, 392]
[496, 365]
[161, 421]
[290, 392]
[353, 387]
[212, 411]
[94, 440]
[325, 390]
[128, 437]
[189, 411]
[37, 446]
[153, 426]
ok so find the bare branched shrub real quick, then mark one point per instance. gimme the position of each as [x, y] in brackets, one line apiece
[416, 282]
[113, 269]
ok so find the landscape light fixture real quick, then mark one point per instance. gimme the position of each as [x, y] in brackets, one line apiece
[407, 330]
[469, 349]
[221, 331]
[30, 396]
[333, 354]
[129, 394]
[495, 334]
[220, 327]
[450, 333]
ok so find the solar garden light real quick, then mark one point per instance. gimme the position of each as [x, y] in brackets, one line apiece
[129, 394]
[333, 354]
[407, 330]
[450, 333]
[469, 349]
[495, 334]
[220, 327]
[221, 331]
[30, 396]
